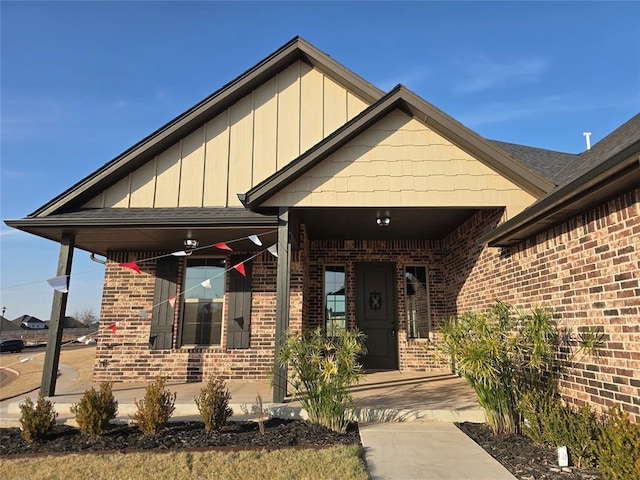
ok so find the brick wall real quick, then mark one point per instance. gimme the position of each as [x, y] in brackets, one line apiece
[587, 270]
[412, 353]
[125, 356]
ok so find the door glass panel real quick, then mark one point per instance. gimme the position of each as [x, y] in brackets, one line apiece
[335, 300]
[417, 302]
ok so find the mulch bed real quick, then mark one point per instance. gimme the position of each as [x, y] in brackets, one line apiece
[523, 458]
[180, 435]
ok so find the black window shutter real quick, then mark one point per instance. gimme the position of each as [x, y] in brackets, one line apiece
[239, 323]
[162, 316]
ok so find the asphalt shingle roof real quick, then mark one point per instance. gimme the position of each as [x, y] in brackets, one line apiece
[544, 162]
[606, 148]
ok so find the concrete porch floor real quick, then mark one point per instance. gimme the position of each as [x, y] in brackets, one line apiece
[384, 396]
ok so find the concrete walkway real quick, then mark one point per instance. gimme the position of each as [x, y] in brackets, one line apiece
[406, 420]
[426, 451]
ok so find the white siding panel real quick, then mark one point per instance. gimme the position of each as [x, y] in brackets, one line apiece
[265, 131]
[143, 185]
[117, 196]
[216, 161]
[168, 177]
[192, 173]
[288, 115]
[354, 106]
[335, 106]
[240, 149]
[311, 107]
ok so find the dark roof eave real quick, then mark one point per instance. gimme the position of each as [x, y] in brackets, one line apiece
[624, 164]
[23, 223]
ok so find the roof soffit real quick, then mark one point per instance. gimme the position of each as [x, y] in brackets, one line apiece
[165, 136]
[402, 98]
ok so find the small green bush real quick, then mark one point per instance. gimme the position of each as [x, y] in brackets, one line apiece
[213, 404]
[619, 447]
[95, 410]
[37, 420]
[156, 408]
[548, 422]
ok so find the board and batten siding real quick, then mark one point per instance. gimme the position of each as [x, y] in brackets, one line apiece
[240, 147]
[400, 162]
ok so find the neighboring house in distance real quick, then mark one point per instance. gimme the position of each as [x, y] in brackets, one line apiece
[30, 323]
[8, 325]
[388, 215]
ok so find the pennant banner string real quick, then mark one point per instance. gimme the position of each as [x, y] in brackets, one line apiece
[59, 283]
[239, 267]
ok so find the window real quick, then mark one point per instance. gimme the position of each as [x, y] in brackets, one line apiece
[203, 306]
[334, 300]
[417, 295]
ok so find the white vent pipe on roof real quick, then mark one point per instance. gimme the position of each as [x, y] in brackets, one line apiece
[587, 136]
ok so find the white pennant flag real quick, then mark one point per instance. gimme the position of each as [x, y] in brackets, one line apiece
[181, 253]
[142, 313]
[255, 239]
[59, 283]
[206, 283]
[273, 250]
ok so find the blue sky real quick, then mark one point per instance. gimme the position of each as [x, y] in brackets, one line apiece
[83, 81]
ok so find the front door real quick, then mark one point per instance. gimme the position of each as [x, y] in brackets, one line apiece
[376, 313]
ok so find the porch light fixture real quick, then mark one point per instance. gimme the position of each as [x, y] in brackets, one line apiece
[383, 221]
[191, 242]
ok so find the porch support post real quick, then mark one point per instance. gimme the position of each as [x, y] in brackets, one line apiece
[56, 324]
[282, 302]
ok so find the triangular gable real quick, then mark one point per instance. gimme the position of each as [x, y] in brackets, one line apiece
[406, 101]
[183, 125]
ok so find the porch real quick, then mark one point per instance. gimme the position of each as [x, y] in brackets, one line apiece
[381, 397]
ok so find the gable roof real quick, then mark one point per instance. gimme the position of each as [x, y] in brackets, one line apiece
[402, 98]
[205, 110]
[610, 168]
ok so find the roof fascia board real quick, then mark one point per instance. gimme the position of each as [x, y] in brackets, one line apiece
[505, 235]
[414, 106]
[297, 48]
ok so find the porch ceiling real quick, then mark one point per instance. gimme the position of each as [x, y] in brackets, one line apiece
[407, 223]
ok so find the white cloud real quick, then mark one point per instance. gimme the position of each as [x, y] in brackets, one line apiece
[482, 73]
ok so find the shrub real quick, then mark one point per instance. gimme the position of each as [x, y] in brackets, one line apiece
[95, 410]
[37, 420]
[156, 408]
[213, 404]
[504, 353]
[548, 422]
[323, 370]
[619, 447]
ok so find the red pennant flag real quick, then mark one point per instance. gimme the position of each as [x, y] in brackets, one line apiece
[172, 302]
[132, 265]
[240, 267]
[113, 328]
[223, 246]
